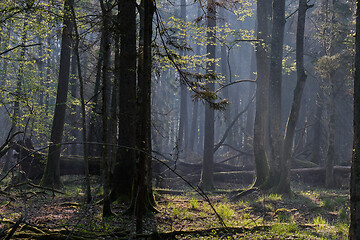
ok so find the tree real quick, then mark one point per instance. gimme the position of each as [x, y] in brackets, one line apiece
[106, 93]
[354, 232]
[125, 165]
[142, 196]
[278, 167]
[51, 175]
[206, 181]
[182, 139]
[262, 86]
[298, 91]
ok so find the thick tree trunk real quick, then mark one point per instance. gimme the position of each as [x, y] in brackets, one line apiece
[206, 181]
[354, 232]
[51, 175]
[125, 164]
[278, 166]
[262, 94]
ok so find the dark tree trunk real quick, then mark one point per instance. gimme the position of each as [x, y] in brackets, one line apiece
[125, 167]
[142, 197]
[106, 93]
[354, 232]
[51, 175]
[262, 94]
[207, 181]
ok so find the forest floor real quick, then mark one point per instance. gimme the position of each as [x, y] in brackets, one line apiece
[310, 213]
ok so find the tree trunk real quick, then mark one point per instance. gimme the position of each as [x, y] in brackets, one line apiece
[183, 134]
[278, 167]
[106, 93]
[354, 232]
[94, 133]
[143, 198]
[51, 175]
[330, 159]
[125, 164]
[74, 109]
[262, 94]
[317, 128]
[83, 112]
[295, 108]
[206, 181]
[195, 112]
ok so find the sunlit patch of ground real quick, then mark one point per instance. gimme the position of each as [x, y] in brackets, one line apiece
[308, 214]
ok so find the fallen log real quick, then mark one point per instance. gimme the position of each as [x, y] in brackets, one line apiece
[32, 163]
[306, 175]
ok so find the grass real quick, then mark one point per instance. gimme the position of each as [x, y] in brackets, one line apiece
[308, 214]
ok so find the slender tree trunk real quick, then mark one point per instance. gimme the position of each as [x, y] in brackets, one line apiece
[224, 71]
[144, 199]
[94, 134]
[195, 110]
[182, 141]
[106, 93]
[354, 232]
[330, 159]
[295, 108]
[74, 110]
[51, 175]
[83, 112]
[317, 129]
[250, 117]
[262, 94]
[207, 181]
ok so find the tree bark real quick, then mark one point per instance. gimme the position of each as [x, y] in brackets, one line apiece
[51, 175]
